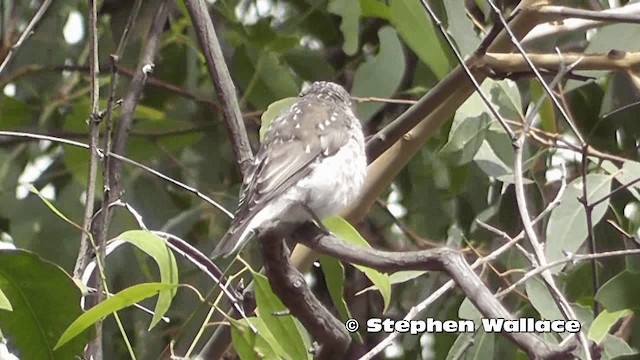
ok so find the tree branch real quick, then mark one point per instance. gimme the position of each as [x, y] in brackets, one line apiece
[121, 134]
[28, 31]
[94, 348]
[290, 286]
[222, 82]
[442, 259]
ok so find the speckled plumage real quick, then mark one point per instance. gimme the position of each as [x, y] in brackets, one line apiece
[312, 154]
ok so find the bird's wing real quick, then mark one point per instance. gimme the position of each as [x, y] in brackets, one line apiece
[294, 141]
[308, 132]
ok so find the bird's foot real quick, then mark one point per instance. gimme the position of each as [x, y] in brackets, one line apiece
[316, 220]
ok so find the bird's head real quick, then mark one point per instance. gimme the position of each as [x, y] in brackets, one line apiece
[328, 91]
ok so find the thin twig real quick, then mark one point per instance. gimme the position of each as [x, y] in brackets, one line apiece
[125, 160]
[94, 133]
[574, 25]
[94, 348]
[28, 31]
[547, 89]
[564, 12]
[121, 134]
[573, 258]
[470, 76]
[613, 192]
[415, 311]
[588, 210]
[108, 120]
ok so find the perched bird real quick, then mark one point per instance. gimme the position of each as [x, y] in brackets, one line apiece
[310, 165]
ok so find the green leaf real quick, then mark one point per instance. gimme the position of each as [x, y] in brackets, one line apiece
[482, 346]
[155, 247]
[542, 300]
[334, 278]
[380, 75]
[309, 64]
[618, 349]
[121, 300]
[263, 76]
[506, 96]
[491, 164]
[465, 139]
[374, 8]
[349, 11]
[149, 113]
[567, 228]
[273, 111]
[468, 311]
[397, 278]
[603, 323]
[461, 28]
[255, 345]
[13, 113]
[416, 29]
[620, 292]
[44, 300]
[630, 171]
[547, 113]
[404, 276]
[53, 208]
[343, 230]
[282, 327]
[5, 304]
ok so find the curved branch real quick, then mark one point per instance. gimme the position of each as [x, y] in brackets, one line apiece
[288, 283]
[442, 259]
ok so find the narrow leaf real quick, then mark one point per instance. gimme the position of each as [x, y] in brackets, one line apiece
[282, 327]
[255, 345]
[155, 247]
[121, 300]
[343, 230]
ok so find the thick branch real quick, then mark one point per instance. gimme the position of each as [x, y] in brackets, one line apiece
[625, 13]
[289, 285]
[221, 81]
[508, 63]
[442, 259]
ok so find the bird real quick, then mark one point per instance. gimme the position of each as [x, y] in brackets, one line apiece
[310, 165]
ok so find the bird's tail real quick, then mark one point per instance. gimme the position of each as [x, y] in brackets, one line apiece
[233, 240]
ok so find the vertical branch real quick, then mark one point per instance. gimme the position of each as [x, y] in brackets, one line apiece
[121, 133]
[94, 349]
[94, 133]
[100, 224]
[28, 31]
[521, 200]
[289, 284]
[588, 210]
[222, 82]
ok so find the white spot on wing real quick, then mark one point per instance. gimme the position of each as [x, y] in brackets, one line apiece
[307, 149]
